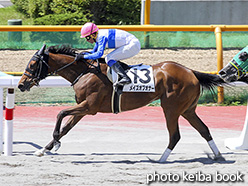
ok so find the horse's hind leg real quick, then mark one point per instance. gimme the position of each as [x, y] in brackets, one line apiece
[174, 134]
[198, 124]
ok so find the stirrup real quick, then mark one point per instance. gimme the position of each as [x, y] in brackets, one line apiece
[126, 80]
[119, 83]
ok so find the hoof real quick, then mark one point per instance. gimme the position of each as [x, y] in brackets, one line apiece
[156, 161]
[40, 152]
[219, 158]
[56, 145]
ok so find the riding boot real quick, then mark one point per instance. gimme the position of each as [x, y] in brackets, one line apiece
[120, 71]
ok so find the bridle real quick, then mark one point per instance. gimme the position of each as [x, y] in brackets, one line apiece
[41, 72]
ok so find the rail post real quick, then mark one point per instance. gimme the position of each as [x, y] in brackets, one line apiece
[240, 143]
[147, 21]
[8, 140]
[219, 48]
[15, 36]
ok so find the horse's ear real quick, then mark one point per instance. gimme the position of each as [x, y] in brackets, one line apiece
[41, 51]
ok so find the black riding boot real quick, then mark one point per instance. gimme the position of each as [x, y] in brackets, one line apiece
[120, 71]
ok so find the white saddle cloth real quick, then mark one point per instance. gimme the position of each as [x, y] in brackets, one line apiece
[141, 76]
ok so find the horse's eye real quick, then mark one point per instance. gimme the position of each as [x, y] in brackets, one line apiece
[32, 65]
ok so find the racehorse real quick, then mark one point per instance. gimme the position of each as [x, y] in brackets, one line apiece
[177, 87]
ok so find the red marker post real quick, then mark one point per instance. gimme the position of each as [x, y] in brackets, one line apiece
[9, 108]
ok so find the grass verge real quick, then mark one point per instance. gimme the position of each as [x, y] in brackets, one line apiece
[10, 13]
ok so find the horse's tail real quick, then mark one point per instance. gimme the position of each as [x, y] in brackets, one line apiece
[209, 81]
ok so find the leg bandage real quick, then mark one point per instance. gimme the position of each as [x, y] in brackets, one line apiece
[213, 147]
[165, 155]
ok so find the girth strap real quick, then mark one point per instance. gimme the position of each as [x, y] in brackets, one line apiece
[116, 100]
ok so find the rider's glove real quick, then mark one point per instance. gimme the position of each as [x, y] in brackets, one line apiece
[79, 57]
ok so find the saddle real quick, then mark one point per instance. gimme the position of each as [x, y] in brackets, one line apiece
[142, 81]
[113, 77]
[117, 90]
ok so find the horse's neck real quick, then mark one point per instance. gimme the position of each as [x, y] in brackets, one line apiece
[71, 72]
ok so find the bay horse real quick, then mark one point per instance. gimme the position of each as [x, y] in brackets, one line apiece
[177, 87]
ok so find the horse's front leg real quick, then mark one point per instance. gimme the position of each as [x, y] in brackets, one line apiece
[77, 113]
[72, 121]
[56, 133]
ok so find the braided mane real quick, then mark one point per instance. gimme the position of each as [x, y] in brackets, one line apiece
[63, 49]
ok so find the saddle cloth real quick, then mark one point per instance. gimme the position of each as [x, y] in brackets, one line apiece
[140, 75]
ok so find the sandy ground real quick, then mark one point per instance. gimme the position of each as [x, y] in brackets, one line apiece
[115, 152]
[201, 59]
[91, 156]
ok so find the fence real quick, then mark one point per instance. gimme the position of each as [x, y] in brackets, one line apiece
[217, 29]
[11, 82]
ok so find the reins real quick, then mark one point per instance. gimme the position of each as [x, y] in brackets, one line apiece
[91, 63]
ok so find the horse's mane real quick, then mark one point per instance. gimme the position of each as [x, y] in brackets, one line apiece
[63, 49]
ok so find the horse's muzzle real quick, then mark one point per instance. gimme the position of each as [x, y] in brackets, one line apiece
[23, 88]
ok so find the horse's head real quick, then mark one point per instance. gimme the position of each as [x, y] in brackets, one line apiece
[233, 72]
[36, 70]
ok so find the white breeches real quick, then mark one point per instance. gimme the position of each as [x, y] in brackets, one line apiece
[124, 52]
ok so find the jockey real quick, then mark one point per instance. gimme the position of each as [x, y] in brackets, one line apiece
[125, 44]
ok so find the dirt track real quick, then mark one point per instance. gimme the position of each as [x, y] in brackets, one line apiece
[110, 150]
[203, 59]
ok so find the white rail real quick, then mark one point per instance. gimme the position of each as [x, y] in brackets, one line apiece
[7, 81]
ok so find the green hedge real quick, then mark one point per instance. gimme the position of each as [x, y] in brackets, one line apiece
[77, 12]
[33, 8]
[61, 19]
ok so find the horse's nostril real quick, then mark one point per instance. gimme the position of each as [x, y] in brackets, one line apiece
[21, 87]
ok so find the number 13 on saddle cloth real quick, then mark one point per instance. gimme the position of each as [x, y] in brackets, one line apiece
[141, 76]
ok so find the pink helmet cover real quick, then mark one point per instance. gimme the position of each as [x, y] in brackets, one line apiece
[88, 29]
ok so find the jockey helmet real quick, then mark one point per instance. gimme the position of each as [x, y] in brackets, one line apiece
[88, 29]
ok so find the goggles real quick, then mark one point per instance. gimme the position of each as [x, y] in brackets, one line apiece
[88, 38]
